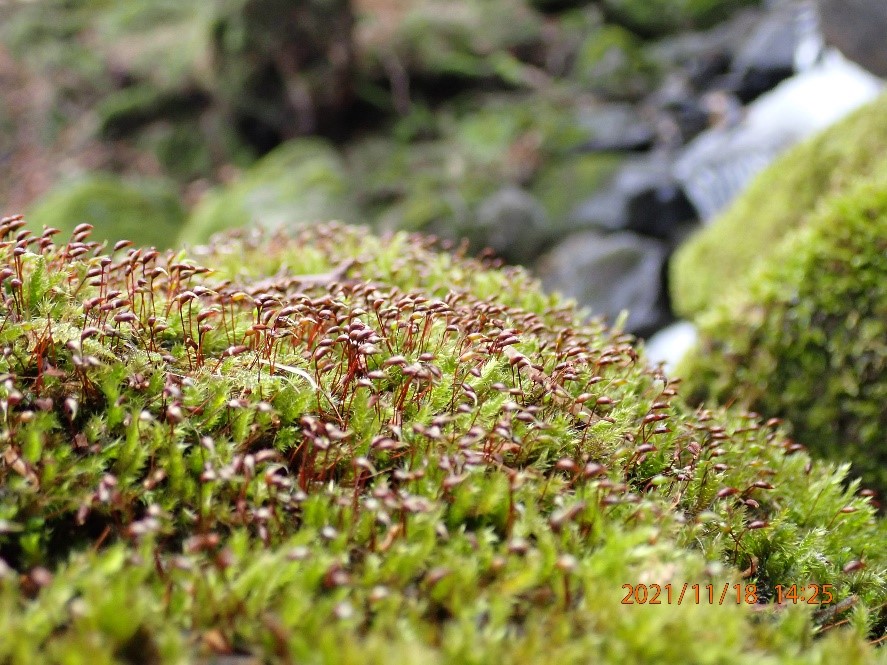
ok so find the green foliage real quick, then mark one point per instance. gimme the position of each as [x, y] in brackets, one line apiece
[805, 338]
[147, 211]
[334, 448]
[301, 181]
[779, 200]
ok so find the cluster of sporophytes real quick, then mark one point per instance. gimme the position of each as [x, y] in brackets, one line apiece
[806, 338]
[330, 447]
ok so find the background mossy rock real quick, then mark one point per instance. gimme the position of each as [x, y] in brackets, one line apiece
[147, 212]
[779, 200]
[331, 447]
[302, 181]
[805, 336]
[654, 18]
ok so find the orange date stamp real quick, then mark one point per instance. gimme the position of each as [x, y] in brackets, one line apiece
[710, 594]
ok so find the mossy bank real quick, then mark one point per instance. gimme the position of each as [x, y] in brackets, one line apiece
[334, 448]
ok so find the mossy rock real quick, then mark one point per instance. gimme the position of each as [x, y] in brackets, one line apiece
[145, 211]
[655, 18]
[779, 200]
[302, 181]
[562, 183]
[612, 62]
[805, 338]
[330, 447]
[445, 39]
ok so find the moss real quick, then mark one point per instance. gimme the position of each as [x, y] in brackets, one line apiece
[779, 200]
[147, 211]
[612, 62]
[653, 18]
[331, 447]
[301, 181]
[434, 39]
[806, 339]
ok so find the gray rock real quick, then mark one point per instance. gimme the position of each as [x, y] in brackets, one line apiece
[857, 28]
[771, 51]
[609, 274]
[670, 345]
[616, 127]
[513, 223]
[643, 197]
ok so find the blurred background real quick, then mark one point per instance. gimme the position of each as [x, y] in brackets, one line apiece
[583, 139]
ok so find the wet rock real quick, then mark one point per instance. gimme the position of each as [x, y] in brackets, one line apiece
[513, 223]
[616, 127]
[857, 28]
[719, 163]
[643, 197]
[609, 274]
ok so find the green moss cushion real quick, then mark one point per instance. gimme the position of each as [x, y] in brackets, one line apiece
[334, 448]
[779, 200]
[806, 338]
[144, 211]
[303, 179]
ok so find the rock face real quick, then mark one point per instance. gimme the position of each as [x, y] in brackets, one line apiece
[857, 29]
[609, 274]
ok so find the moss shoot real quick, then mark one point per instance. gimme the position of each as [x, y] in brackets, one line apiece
[329, 447]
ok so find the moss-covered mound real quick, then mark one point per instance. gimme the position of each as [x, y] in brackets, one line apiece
[145, 211]
[807, 337]
[304, 178]
[336, 448]
[780, 199]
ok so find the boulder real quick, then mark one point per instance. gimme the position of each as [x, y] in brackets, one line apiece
[609, 274]
[513, 223]
[803, 336]
[643, 197]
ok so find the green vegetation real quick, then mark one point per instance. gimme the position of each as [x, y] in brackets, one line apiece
[146, 211]
[335, 448]
[658, 17]
[805, 338]
[781, 199]
[303, 179]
